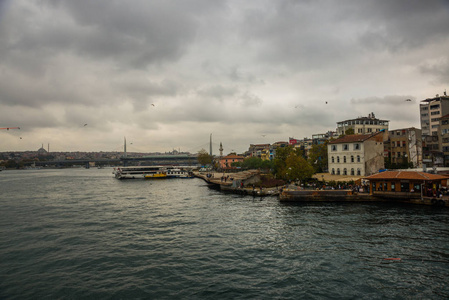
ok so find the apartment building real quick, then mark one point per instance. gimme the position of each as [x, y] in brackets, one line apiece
[444, 140]
[359, 155]
[405, 146]
[363, 125]
[431, 110]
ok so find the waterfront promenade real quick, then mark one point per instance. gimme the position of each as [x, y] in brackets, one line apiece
[247, 183]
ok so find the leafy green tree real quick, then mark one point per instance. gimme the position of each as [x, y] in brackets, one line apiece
[290, 164]
[349, 131]
[297, 168]
[282, 153]
[204, 158]
[318, 157]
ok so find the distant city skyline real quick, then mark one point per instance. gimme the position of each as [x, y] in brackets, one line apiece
[82, 75]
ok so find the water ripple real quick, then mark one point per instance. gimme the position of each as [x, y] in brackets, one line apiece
[83, 234]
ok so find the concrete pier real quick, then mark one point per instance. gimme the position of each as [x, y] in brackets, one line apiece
[237, 183]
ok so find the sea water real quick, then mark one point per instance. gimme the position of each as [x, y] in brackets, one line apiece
[82, 234]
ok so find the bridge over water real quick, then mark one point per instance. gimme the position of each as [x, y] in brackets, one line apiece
[125, 161]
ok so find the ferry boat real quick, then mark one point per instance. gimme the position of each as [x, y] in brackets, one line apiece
[179, 173]
[151, 172]
[139, 172]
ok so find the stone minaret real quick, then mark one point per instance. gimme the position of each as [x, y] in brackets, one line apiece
[221, 150]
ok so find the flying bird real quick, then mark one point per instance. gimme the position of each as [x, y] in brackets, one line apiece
[85, 125]
[326, 102]
[152, 104]
[408, 100]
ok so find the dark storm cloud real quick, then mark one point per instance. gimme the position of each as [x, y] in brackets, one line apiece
[181, 68]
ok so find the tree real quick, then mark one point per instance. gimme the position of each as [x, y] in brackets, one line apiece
[349, 131]
[282, 153]
[291, 165]
[297, 168]
[204, 158]
[318, 157]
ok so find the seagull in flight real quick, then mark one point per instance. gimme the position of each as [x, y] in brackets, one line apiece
[408, 100]
[85, 125]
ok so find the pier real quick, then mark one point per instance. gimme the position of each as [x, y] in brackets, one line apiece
[245, 182]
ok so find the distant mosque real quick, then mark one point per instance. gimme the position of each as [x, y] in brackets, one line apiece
[42, 151]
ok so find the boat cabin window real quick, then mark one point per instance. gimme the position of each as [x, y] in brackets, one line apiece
[393, 186]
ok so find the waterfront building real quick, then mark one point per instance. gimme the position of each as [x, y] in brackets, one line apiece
[405, 147]
[226, 161]
[363, 125]
[357, 154]
[406, 184]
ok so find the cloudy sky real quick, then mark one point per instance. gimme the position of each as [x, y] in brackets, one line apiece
[166, 74]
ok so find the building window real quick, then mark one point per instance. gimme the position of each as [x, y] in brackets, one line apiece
[393, 186]
[338, 171]
[338, 159]
[358, 158]
[333, 171]
[360, 130]
[345, 147]
[334, 147]
[345, 172]
[332, 159]
[344, 159]
[352, 171]
[352, 158]
[358, 172]
[356, 146]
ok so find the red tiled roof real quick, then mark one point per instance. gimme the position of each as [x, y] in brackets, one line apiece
[352, 138]
[410, 175]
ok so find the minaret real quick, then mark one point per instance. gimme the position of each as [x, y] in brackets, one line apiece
[221, 150]
[210, 145]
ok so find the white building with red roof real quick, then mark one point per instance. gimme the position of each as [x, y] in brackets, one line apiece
[357, 154]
